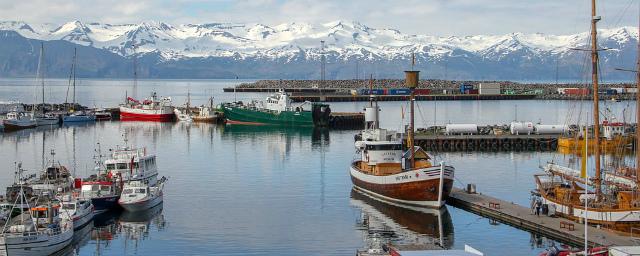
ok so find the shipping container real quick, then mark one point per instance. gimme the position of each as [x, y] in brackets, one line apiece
[576, 91]
[472, 91]
[489, 88]
[465, 87]
[630, 90]
[423, 91]
[509, 92]
[373, 91]
[400, 91]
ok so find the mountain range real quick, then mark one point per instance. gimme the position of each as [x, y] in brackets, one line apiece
[293, 51]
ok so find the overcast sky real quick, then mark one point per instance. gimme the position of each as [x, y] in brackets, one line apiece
[433, 17]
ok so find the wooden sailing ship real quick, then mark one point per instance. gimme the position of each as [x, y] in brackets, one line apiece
[614, 201]
[384, 169]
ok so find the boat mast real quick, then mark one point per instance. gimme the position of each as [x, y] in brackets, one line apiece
[135, 74]
[411, 78]
[41, 72]
[638, 112]
[596, 111]
[74, 75]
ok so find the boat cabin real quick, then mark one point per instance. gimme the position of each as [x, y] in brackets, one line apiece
[422, 159]
[612, 130]
[278, 102]
[93, 189]
[133, 164]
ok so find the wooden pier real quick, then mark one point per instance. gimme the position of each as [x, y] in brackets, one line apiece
[559, 229]
[506, 142]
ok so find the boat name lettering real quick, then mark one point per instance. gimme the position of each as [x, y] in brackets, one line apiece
[403, 177]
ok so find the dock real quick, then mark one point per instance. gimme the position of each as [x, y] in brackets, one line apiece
[559, 229]
[489, 142]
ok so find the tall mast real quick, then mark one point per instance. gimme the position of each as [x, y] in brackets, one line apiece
[135, 74]
[596, 111]
[412, 78]
[74, 75]
[41, 72]
[638, 111]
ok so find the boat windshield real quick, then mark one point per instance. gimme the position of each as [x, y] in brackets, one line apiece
[140, 191]
[122, 166]
[127, 191]
[111, 166]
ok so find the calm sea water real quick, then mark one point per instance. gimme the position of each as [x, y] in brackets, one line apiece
[236, 190]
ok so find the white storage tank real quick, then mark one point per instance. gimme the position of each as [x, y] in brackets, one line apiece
[551, 128]
[451, 129]
[521, 127]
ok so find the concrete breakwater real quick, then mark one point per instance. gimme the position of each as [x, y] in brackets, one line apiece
[351, 90]
[434, 84]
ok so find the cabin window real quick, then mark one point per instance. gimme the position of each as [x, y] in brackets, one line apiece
[111, 166]
[140, 191]
[127, 191]
[105, 188]
[68, 206]
[122, 166]
[385, 147]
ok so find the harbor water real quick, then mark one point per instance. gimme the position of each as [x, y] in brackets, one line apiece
[250, 190]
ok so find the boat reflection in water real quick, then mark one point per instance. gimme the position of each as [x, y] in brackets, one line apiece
[135, 226]
[404, 227]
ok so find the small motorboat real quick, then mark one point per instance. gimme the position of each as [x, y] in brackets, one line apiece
[138, 196]
[79, 116]
[182, 117]
[102, 115]
[79, 210]
[103, 194]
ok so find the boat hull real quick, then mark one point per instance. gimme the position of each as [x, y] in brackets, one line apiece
[102, 204]
[417, 187]
[78, 119]
[80, 221]
[131, 114]
[47, 121]
[141, 205]
[569, 143]
[39, 244]
[241, 115]
[13, 125]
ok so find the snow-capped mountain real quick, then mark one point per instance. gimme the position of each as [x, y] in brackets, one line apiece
[345, 44]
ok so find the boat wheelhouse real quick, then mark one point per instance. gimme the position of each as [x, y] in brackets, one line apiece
[132, 164]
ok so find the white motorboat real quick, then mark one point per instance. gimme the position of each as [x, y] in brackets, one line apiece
[79, 210]
[182, 117]
[138, 196]
[47, 119]
[41, 230]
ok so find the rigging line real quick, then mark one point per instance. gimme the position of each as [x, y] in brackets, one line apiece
[621, 15]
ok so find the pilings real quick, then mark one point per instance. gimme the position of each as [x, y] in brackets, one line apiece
[531, 142]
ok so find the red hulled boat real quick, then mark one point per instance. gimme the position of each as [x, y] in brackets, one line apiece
[148, 110]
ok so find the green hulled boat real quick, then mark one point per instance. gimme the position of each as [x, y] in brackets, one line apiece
[277, 110]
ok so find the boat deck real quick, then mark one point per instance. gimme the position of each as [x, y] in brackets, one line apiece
[553, 227]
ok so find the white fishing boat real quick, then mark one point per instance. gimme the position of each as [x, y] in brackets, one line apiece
[138, 196]
[79, 210]
[40, 230]
[54, 177]
[18, 121]
[132, 164]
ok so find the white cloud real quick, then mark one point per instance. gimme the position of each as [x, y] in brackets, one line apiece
[439, 17]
